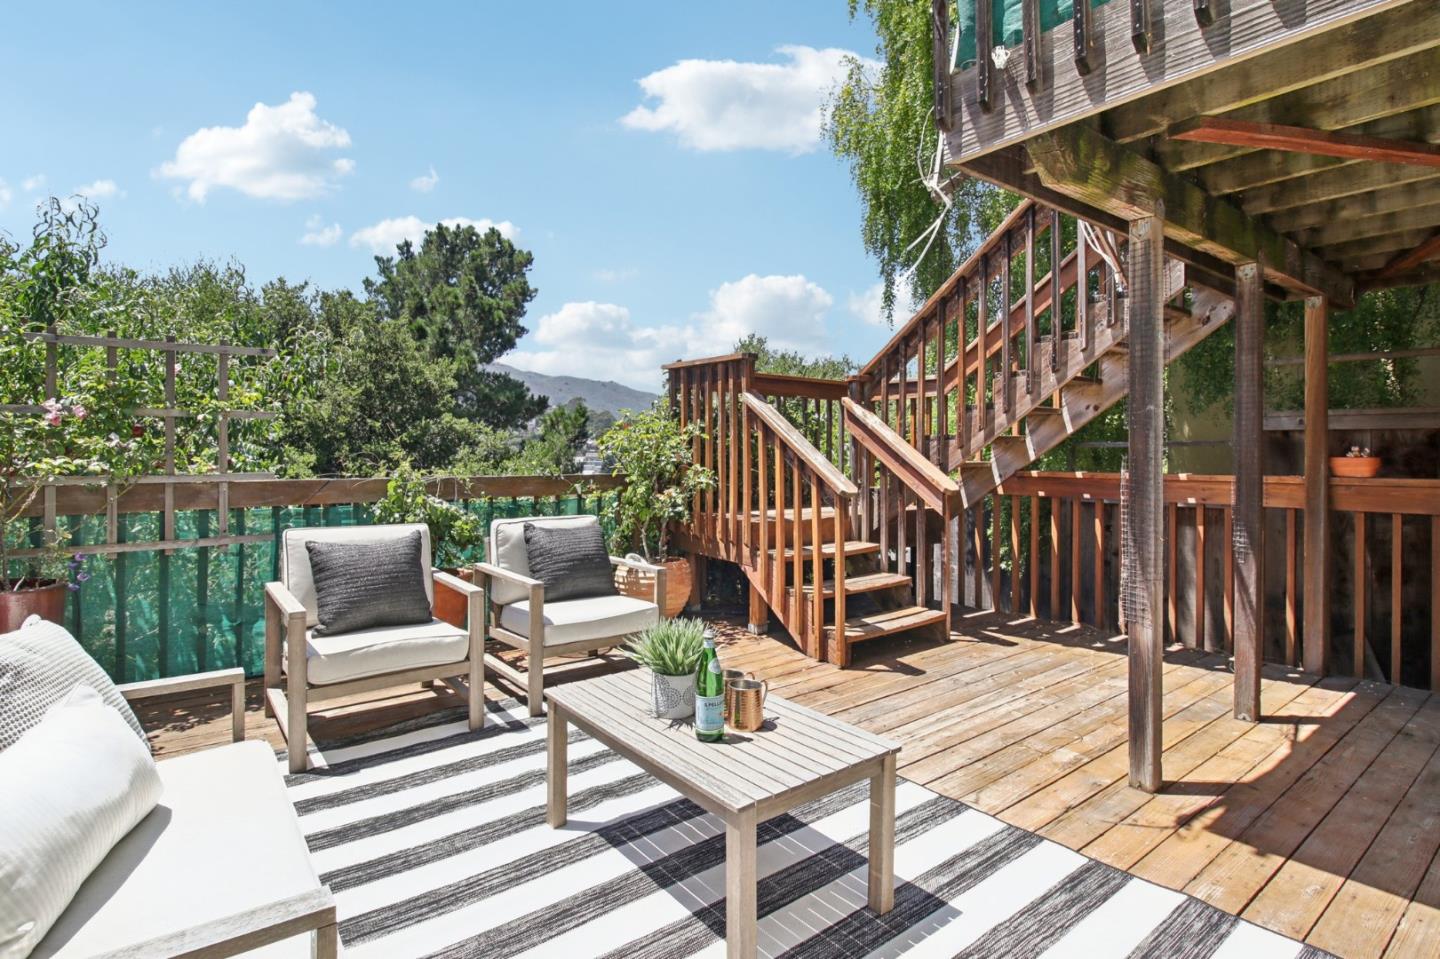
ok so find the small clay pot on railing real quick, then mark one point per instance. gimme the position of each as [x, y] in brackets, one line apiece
[1356, 464]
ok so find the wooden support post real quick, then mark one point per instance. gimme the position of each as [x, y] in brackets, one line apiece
[1316, 631]
[1032, 562]
[985, 72]
[1248, 522]
[1143, 515]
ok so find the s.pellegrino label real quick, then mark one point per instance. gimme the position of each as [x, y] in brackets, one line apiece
[709, 695]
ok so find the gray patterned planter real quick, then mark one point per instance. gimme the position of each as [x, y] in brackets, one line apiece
[674, 696]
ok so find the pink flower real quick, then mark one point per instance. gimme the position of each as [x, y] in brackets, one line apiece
[53, 418]
[52, 405]
[80, 412]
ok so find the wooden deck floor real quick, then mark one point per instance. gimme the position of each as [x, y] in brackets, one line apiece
[1322, 822]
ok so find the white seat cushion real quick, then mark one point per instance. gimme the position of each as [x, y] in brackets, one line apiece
[579, 620]
[223, 839]
[375, 652]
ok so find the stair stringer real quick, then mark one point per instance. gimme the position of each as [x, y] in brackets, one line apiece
[1183, 331]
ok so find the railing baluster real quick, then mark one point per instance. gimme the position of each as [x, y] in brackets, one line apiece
[981, 376]
[984, 74]
[837, 649]
[817, 576]
[1361, 580]
[778, 601]
[1030, 27]
[1397, 530]
[1099, 589]
[1291, 603]
[1057, 315]
[1014, 555]
[797, 537]
[1007, 373]
[1032, 343]
[995, 520]
[1200, 642]
[1081, 39]
[942, 388]
[1082, 289]
[1075, 504]
[1032, 559]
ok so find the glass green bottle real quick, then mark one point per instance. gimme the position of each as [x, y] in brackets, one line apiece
[709, 695]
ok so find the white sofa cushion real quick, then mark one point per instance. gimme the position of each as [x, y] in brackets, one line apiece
[580, 620]
[73, 786]
[507, 549]
[374, 652]
[295, 558]
[223, 839]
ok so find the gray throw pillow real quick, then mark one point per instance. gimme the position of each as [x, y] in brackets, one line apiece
[366, 585]
[572, 562]
[40, 663]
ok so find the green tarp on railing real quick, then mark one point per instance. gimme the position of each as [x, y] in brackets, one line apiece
[145, 615]
[1007, 24]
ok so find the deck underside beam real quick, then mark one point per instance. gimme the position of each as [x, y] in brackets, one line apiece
[1080, 163]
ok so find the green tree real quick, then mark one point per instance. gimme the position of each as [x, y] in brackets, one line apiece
[563, 432]
[881, 123]
[463, 295]
[383, 398]
[793, 362]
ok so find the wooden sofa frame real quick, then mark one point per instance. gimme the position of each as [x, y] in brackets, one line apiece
[288, 693]
[312, 911]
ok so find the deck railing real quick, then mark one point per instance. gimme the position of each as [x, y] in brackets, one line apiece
[180, 595]
[763, 436]
[1053, 551]
[946, 380]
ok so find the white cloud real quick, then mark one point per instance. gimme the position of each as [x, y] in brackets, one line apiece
[425, 182]
[317, 233]
[99, 190]
[6, 194]
[283, 152]
[32, 183]
[384, 236]
[729, 105]
[602, 340]
[869, 306]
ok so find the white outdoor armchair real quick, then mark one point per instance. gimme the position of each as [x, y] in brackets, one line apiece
[521, 618]
[301, 667]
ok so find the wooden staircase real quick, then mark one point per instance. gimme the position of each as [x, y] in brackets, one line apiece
[840, 545]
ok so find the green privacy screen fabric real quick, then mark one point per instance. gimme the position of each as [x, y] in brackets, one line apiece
[1006, 24]
[146, 615]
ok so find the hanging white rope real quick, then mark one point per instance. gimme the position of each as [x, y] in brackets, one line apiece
[938, 186]
[1104, 244]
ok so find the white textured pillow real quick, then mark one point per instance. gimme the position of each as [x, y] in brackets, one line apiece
[74, 785]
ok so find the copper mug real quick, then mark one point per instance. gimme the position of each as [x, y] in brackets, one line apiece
[732, 674]
[745, 702]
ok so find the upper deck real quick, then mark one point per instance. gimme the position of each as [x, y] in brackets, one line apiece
[1300, 132]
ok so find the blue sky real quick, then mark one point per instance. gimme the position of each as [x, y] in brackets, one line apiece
[661, 160]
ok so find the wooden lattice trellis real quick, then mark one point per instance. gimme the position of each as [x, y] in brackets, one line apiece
[171, 349]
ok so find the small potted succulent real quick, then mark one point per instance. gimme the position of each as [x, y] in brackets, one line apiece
[671, 651]
[1357, 463]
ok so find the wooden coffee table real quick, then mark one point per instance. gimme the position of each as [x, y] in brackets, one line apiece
[800, 755]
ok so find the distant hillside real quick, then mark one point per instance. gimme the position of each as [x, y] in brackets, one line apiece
[604, 395]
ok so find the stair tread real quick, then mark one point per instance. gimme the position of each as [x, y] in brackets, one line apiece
[886, 622]
[854, 547]
[863, 583]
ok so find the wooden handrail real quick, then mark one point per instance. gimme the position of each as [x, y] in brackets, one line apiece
[810, 387]
[932, 484]
[961, 275]
[837, 481]
[705, 361]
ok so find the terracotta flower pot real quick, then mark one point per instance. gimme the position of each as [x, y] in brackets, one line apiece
[679, 576]
[45, 598]
[452, 607]
[1355, 467]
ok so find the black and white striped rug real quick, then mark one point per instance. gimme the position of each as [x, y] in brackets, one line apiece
[434, 841]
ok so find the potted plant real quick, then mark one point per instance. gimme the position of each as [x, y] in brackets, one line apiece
[671, 651]
[454, 532]
[652, 451]
[1357, 463]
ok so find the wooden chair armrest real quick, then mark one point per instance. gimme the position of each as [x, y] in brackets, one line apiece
[182, 684]
[495, 572]
[454, 583]
[311, 911]
[215, 679]
[282, 599]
